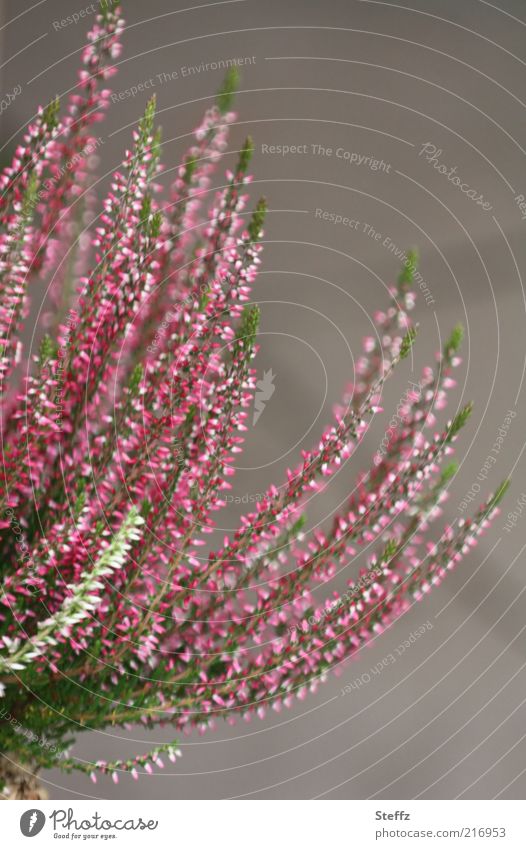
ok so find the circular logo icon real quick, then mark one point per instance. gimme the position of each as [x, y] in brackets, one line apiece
[32, 822]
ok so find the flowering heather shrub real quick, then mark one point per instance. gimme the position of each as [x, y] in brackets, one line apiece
[118, 443]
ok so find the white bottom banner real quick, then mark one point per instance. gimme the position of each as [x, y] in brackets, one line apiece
[260, 824]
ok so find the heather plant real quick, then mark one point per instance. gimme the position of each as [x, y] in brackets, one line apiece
[118, 446]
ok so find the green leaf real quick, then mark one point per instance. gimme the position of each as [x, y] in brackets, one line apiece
[155, 224]
[48, 350]
[30, 196]
[146, 209]
[50, 113]
[107, 7]
[407, 342]
[258, 219]
[455, 340]
[225, 95]
[245, 155]
[248, 326]
[447, 473]
[81, 498]
[459, 421]
[217, 667]
[498, 495]
[155, 150]
[135, 379]
[409, 267]
[390, 550]
[146, 507]
[189, 169]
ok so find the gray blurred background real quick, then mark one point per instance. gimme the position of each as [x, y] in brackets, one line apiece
[378, 80]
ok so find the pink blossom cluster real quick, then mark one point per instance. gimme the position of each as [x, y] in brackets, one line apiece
[120, 443]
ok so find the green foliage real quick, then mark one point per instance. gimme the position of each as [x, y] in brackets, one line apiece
[448, 472]
[409, 267]
[248, 326]
[258, 218]
[455, 340]
[80, 601]
[390, 550]
[136, 379]
[246, 155]
[48, 350]
[498, 495]
[459, 421]
[407, 342]
[50, 115]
